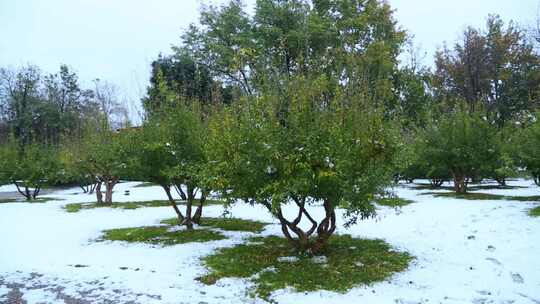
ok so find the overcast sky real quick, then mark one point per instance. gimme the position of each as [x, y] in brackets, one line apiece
[116, 40]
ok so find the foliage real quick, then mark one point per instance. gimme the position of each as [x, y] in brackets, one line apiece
[351, 42]
[28, 169]
[496, 69]
[346, 263]
[529, 149]
[461, 142]
[104, 158]
[168, 150]
[302, 149]
[182, 77]
[46, 108]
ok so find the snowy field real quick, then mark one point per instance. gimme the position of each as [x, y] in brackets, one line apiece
[466, 252]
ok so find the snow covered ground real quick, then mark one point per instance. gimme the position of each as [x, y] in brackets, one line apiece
[466, 252]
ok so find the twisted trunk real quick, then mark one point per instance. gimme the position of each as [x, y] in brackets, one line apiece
[28, 195]
[436, 182]
[307, 241]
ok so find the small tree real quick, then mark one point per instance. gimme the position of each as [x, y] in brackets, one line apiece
[420, 166]
[529, 152]
[104, 160]
[73, 169]
[28, 169]
[168, 151]
[505, 165]
[303, 149]
[461, 143]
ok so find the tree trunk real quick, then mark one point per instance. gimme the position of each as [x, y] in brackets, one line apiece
[326, 228]
[436, 182]
[460, 184]
[27, 193]
[179, 214]
[84, 188]
[109, 185]
[198, 213]
[181, 192]
[501, 181]
[92, 188]
[36, 191]
[23, 193]
[99, 195]
[188, 222]
[302, 240]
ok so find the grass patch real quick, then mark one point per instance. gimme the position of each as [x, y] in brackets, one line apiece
[349, 262]
[535, 212]
[484, 196]
[76, 207]
[145, 184]
[23, 200]
[471, 187]
[228, 224]
[394, 202]
[160, 235]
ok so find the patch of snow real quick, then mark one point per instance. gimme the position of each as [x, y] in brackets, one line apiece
[40, 296]
[449, 268]
[359, 264]
[287, 259]
[3, 292]
[320, 259]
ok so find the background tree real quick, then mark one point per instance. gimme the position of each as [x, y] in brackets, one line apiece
[354, 43]
[529, 150]
[496, 70]
[506, 145]
[74, 170]
[460, 142]
[181, 76]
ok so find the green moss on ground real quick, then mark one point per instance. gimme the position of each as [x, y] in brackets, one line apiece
[224, 223]
[23, 200]
[394, 202]
[483, 196]
[145, 184]
[76, 207]
[347, 262]
[161, 235]
[535, 212]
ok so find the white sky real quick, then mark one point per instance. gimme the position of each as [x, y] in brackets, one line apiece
[116, 40]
